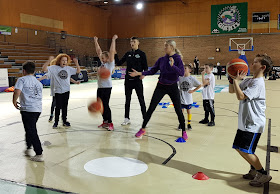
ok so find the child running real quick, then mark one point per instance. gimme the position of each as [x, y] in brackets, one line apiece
[60, 75]
[29, 91]
[105, 85]
[251, 116]
[171, 67]
[186, 84]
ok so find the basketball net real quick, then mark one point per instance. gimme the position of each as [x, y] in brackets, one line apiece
[241, 51]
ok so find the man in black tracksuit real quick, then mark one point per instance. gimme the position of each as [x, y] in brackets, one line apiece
[135, 59]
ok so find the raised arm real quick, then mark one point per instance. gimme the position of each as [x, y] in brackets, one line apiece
[45, 66]
[113, 49]
[77, 65]
[97, 48]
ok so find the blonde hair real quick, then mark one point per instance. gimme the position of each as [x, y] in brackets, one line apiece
[58, 58]
[173, 44]
[106, 54]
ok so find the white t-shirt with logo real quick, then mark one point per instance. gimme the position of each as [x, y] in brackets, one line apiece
[31, 93]
[106, 83]
[251, 114]
[185, 85]
[208, 91]
[60, 76]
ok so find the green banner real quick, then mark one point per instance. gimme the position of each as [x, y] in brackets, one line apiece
[5, 30]
[229, 18]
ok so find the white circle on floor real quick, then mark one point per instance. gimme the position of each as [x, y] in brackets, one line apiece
[116, 167]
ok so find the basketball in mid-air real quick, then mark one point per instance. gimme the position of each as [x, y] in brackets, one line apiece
[103, 73]
[96, 106]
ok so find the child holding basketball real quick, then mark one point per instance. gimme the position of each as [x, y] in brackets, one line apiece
[208, 94]
[186, 83]
[251, 116]
[60, 75]
[105, 85]
[29, 91]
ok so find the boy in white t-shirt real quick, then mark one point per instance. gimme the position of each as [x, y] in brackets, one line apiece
[60, 75]
[186, 84]
[208, 94]
[29, 91]
[251, 116]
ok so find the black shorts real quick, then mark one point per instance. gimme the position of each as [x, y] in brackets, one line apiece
[246, 141]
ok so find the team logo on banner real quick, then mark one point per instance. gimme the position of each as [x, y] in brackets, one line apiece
[229, 18]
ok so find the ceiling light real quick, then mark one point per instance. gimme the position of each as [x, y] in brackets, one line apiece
[105, 2]
[139, 6]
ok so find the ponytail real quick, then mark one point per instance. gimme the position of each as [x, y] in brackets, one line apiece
[178, 52]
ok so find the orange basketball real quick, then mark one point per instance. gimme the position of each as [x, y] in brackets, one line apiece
[236, 65]
[96, 106]
[103, 73]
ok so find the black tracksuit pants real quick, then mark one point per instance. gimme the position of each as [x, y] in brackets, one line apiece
[104, 94]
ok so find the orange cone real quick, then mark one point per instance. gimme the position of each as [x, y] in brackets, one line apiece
[200, 176]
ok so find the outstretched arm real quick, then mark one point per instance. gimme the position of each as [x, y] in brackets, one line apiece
[45, 66]
[113, 49]
[97, 48]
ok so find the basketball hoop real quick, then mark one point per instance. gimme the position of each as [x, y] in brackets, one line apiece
[241, 48]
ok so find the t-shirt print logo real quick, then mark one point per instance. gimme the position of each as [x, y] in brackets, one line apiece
[63, 74]
[137, 56]
[185, 86]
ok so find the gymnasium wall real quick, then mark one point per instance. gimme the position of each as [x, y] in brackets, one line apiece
[55, 16]
[205, 47]
[174, 19]
[166, 19]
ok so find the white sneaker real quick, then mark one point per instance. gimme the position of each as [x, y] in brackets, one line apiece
[28, 152]
[126, 122]
[37, 158]
[260, 179]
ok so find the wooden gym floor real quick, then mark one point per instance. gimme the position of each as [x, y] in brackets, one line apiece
[208, 149]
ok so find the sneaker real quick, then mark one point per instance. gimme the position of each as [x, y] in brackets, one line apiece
[103, 125]
[110, 127]
[185, 136]
[250, 175]
[189, 127]
[55, 126]
[126, 122]
[51, 118]
[260, 179]
[66, 124]
[28, 152]
[212, 123]
[37, 158]
[204, 121]
[179, 128]
[140, 133]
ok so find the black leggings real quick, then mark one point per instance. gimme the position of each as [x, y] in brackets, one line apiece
[159, 93]
[61, 104]
[104, 94]
[208, 106]
[29, 120]
[53, 105]
[138, 86]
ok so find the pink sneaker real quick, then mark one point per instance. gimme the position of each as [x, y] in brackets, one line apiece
[110, 127]
[103, 125]
[185, 136]
[140, 133]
